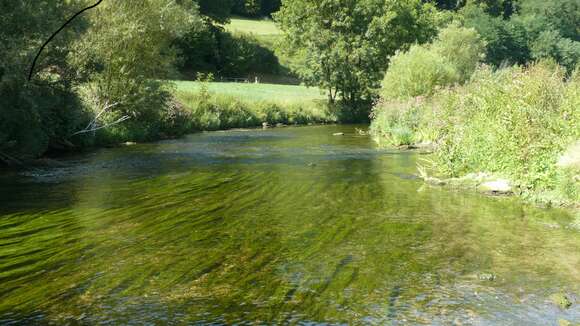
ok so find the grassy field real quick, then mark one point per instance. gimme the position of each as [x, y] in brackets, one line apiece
[253, 26]
[281, 94]
[214, 106]
[268, 35]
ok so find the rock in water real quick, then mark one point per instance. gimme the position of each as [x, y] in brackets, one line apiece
[561, 300]
[496, 187]
[265, 125]
[571, 158]
[564, 322]
[486, 276]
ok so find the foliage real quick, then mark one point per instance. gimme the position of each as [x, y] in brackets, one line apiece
[503, 8]
[123, 65]
[396, 123]
[345, 45]
[210, 49]
[216, 11]
[255, 8]
[450, 59]
[562, 16]
[550, 44]
[538, 29]
[462, 47]
[420, 71]
[507, 41]
[516, 122]
[35, 114]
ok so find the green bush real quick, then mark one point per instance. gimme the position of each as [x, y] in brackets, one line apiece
[515, 122]
[419, 71]
[450, 59]
[397, 123]
[462, 47]
[422, 71]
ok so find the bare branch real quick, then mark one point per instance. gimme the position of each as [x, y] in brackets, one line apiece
[84, 131]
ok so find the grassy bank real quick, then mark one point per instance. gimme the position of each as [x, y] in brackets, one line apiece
[516, 123]
[199, 106]
[213, 106]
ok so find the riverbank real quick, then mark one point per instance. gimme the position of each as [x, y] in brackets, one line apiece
[215, 106]
[197, 107]
[517, 124]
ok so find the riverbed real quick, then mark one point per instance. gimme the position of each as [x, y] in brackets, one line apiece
[279, 226]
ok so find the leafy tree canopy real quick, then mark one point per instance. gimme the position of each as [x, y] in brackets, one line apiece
[345, 44]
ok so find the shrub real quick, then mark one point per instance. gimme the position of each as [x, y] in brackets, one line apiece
[462, 48]
[419, 71]
[515, 122]
[450, 59]
[397, 123]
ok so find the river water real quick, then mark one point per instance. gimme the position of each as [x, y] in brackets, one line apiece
[279, 226]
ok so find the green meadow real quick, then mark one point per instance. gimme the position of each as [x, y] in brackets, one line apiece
[257, 27]
[281, 94]
[214, 106]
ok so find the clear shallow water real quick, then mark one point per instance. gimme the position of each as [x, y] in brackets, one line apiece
[278, 226]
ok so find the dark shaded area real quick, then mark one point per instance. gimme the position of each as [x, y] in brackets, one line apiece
[211, 49]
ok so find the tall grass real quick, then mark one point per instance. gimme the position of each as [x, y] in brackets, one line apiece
[215, 106]
[516, 123]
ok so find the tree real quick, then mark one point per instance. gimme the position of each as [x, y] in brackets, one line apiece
[540, 15]
[550, 44]
[123, 65]
[345, 44]
[451, 58]
[255, 8]
[504, 8]
[35, 114]
[507, 40]
[216, 11]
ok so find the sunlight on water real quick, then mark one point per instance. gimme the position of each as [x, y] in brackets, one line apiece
[288, 225]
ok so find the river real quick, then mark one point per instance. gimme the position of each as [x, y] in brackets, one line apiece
[278, 226]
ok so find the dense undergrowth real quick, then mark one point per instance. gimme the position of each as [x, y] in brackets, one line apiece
[516, 123]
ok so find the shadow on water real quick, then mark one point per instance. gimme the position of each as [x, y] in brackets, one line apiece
[288, 225]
